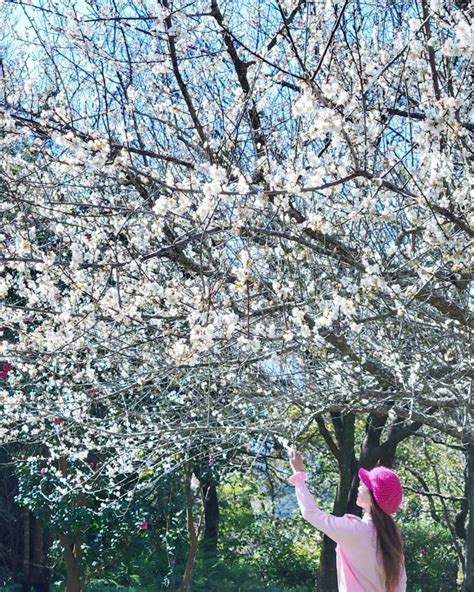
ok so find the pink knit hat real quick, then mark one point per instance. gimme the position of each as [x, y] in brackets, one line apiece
[385, 487]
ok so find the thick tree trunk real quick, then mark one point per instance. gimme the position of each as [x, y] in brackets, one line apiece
[327, 577]
[73, 580]
[369, 454]
[35, 541]
[10, 557]
[71, 554]
[24, 542]
[40, 571]
[211, 519]
[192, 532]
[469, 578]
[344, 430]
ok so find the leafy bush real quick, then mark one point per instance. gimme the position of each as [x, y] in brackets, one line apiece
[279, 550]
[237, 576]
[285, 554]
[431, 561]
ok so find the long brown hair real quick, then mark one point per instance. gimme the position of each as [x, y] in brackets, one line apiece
[389, 544]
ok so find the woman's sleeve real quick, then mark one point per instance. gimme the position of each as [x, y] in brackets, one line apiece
[343, 530]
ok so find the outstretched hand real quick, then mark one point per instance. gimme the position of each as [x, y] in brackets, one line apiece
[296, 461]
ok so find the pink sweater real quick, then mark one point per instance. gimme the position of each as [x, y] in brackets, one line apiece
[358, 567]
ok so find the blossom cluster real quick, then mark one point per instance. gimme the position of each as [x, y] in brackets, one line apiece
[201, 239]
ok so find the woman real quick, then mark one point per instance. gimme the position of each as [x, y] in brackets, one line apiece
[369, 550]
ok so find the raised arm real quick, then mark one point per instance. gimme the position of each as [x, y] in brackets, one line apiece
[343, 529]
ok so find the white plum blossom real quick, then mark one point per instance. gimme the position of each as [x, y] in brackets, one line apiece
[229, 223]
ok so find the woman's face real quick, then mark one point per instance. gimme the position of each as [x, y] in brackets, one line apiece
[363, 498]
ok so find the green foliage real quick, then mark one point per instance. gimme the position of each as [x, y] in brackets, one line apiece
[125, 541]
[278, 549]
[261, 548]
[425, 465]
[286, 554]
[237, 576]
[431, 561]
[102, 528]
[257, 551]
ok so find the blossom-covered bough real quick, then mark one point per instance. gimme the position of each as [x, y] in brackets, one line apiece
[214, 213]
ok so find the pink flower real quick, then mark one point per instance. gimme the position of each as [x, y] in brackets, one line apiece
[91, 391]
[42, 472]
[211, 460]
[57, 420]
[7, 367]
[144, 525]
[3, 374]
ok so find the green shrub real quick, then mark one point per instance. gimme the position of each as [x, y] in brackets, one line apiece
[431, 561]
[237, 576]
[279, 551]
[286, 553]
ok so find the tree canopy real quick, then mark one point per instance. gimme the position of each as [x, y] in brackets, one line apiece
[213, 214]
